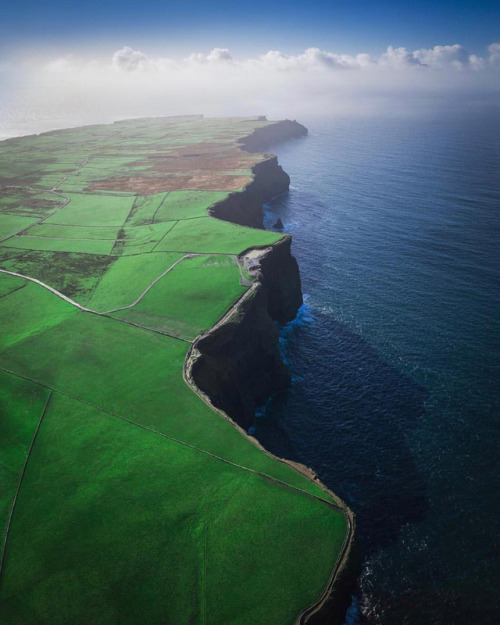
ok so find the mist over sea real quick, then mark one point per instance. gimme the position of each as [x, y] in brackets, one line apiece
[395, 356]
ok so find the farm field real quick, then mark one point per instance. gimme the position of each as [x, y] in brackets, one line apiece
[124, 497]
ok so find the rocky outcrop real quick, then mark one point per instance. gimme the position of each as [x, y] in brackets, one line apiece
[261, 138]
[278, 272]
[245, 207]
[268, 178]
[237, 363]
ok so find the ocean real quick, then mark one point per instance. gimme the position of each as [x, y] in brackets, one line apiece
[395, 354]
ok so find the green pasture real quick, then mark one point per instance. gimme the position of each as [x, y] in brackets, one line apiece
[188, 204]
[213, 236]
[10, 224]
[144, 209]
[10, 283]
[28, 242]
[56, 231]
[28, 312]
[95, 210]
[21, 407]
[127, 278]
[138, 502]
[189, 299]
[120, 505]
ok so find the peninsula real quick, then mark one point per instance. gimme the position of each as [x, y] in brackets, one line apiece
[139, 297]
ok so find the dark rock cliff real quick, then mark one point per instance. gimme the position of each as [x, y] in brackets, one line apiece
[261, 138]
[238, 364]
[245, 207]
[269, 179]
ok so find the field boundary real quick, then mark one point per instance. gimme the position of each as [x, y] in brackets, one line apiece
[23, 472]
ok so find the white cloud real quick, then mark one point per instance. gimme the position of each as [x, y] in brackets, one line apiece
[129, 60]
[214, 56]
[454, 56]
[494, 50]
[399, 57]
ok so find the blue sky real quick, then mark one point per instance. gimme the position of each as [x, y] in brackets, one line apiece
[247, 26]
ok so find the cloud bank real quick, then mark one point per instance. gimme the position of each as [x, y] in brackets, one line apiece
[132, 83]
[449, 57]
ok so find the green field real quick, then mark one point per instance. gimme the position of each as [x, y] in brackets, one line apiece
[124, 497]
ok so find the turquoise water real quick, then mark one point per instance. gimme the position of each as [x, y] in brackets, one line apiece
[395, 355]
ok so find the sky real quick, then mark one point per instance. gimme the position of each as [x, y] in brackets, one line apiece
[103, 60]
[292, 25]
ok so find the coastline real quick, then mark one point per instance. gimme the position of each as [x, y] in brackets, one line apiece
[331, 606]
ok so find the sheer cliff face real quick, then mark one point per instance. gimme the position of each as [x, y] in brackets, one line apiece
[262, 138]
[238, 364]
[245, 207]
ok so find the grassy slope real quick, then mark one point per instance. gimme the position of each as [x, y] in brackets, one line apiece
[138, 503]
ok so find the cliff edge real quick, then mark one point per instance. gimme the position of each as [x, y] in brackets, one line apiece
[268, 178]
[237, 364]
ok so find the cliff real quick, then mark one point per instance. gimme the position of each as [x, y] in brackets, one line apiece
[245, 207]
[237, 364]
[261, 138]
[269, 179]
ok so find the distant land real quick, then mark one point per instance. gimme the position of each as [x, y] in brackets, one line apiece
[139, 296]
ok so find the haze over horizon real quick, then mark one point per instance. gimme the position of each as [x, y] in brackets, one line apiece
[76, 65]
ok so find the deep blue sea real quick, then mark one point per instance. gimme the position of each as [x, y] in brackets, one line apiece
[395, 399]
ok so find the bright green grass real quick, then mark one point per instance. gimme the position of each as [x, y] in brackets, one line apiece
[133, 249]
[60, 245]
[191, 298]
[127, 278]
[9, 284]
[10, 224]
[133, 520]
[140, 239]
[75, 232]
[21, 406]
[93, 210]
[117, 507]
[251, 548]
[137, 235]
[130, 371]
[209, 235]
[144, 209]
[188, 204]
[29, 311]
